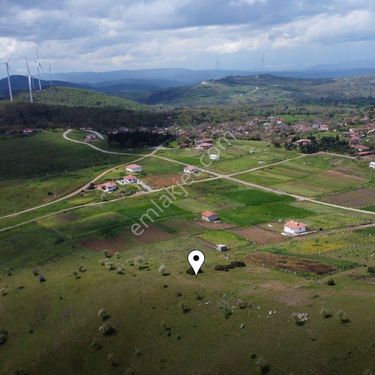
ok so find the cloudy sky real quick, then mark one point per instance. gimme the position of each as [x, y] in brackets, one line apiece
[81, 35]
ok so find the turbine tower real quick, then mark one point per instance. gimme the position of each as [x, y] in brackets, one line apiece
[9, 82]
[29, 80]
[38, 66]
[49, 73]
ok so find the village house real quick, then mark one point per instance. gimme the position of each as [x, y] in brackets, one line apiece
[360, 148]
[134, 168]
[90, 138]
[294, 228]
[204, 146]
[221, 247]
[127, 180]
[303, 142]
[215, 157]
[210, 216]
[190, 170]
[107, 186]
[372, 164]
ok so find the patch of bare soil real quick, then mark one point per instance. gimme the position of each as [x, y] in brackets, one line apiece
[355, 198]
[289, 263]
[339, 174]
[218, 226]
[153, 234]
[260, 235]
[164, 180]
[111, 245]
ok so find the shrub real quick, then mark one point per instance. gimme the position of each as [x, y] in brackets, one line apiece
[325, 313]
[300, 318]
[263, 366]
[163, 270]
[342, 317]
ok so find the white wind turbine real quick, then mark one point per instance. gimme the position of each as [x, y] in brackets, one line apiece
[29, 80]
[38, 67]
[9, 82]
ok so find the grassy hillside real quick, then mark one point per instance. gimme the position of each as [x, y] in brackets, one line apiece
[43, 167]
[219, 322]
[74, 97]
[267, 89]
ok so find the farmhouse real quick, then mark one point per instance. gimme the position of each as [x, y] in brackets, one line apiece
[107, 186]
[221, 247]
[360, 148]
[303, 142]
[204, 146]
[215, 157]
[90, 138]
[134, 168]
[127, 180]
[294, 228]
[190, 170]
[210, 216]
[372, 164]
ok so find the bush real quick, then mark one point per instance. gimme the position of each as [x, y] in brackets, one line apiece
[163, 270]
[371, 269]
[325, 313]
[342, 317]
[263, 366]
[300, 318]
[184, 308]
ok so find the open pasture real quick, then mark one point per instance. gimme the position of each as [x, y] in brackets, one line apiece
[313, 176]
[235, 155]
[42, 167]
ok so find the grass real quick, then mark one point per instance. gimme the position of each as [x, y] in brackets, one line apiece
[43, 167]
[235, 155]
[313, 176]
[223, 237]
[62, 312]
[74, 97]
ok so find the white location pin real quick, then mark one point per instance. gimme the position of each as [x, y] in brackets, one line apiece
[196, 260]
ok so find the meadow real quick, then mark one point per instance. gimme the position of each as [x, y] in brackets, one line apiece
[315, 176]
[42, 167]
[236, 322]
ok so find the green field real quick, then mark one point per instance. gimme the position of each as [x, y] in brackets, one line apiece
[43, 167]
[219, 322]
[235, 155]
[314, 176]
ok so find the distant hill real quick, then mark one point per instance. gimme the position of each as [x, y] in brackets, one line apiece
[20, 83]
[267, 89]
[177, 76]
[77, 97]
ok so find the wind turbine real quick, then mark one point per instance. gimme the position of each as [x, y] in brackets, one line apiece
[49, 73]
[9, 82]
[38, 66]
[29, 80]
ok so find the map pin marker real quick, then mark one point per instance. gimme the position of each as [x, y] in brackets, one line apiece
[196, 260]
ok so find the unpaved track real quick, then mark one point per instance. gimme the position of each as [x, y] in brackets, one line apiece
[229, 177]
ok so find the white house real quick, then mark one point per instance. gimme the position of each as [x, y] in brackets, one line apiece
[372, 164]
[127, 180]
[107, 186]
[215, 157]
[134, 168]
[221, 247]
[190, 170]
[210, 216]
[294, 228]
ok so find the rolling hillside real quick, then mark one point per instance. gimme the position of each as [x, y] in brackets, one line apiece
[268, 89]
[74, 97]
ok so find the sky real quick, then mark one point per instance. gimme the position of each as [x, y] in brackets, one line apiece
[89, 35]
